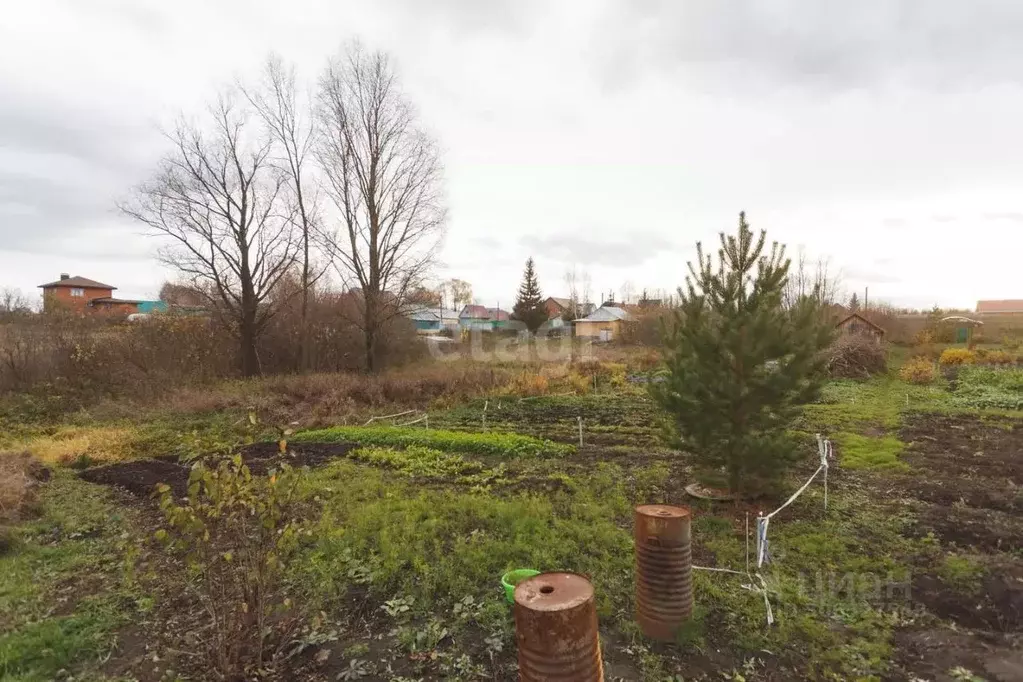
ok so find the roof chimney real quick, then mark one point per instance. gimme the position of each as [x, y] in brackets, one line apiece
[64, 275]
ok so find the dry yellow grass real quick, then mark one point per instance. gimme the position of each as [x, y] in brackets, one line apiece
[17, 486]
[101, 444]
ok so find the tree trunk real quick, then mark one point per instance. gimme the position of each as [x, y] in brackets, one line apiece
[371, 348]
[250, 359]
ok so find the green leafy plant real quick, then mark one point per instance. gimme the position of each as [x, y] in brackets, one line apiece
[740, 362]
[990, 388]
[236, 533]
[506, 444]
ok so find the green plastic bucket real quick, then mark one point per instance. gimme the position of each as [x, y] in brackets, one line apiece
[513, 578]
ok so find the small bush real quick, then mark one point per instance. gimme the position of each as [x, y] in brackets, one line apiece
[918, 371]
[957, 356]
[237, 534]
[506, 444]
[999, 357]
[856, 356]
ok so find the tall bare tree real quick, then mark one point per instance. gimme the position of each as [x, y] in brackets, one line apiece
[811, 279]
[292, 128]
[220, 204]
[384, 175]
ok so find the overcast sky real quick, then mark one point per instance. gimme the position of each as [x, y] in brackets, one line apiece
[884, 134]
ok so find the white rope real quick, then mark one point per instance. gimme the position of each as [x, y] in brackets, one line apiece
[824, 451]
[389, 416]
[717, 570]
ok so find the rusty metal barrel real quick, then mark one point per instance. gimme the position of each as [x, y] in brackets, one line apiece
[664, 570]
[556, 629]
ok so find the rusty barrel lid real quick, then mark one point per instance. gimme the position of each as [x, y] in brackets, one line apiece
[556, 629]
[553, 592]
[662, 523]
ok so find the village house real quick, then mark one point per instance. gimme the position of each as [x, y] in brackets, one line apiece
[606, 323]
[1003, 307]
[482, 318]
[429, 320]
[84, 295]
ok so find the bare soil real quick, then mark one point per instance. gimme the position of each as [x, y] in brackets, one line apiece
[139, 477]
[966, 489]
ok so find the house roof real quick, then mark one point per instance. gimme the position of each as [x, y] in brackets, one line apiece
[430, 314]
[77, 282]
[606, 313]
[1003, 306]
[563, 302]
[111, 300]
[481, 312]
[862, 319]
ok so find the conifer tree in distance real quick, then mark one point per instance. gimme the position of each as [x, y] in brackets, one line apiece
[740, 364]
[529, 308]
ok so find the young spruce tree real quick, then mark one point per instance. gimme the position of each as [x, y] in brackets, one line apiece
[529, 308]
[740, 363]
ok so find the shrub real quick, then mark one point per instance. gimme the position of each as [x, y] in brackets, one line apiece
[506, 444]
[924, 337]
[237, 534]
[957, 356]
[999, 357]
[856, 356]
[918, 371]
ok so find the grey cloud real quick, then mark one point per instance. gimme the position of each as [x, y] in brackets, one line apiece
[573, 248]
[832, 44]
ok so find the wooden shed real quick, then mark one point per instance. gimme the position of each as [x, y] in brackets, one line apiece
[857, 324]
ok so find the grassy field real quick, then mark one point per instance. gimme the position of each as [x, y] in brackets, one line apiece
[914, 572]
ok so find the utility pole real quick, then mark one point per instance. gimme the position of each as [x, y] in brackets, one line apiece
[866, 297]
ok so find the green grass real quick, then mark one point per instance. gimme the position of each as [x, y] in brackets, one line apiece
[863, 452]
[427, 464]
[441, 545]
[962, 572]
[72, 553]
[503, 444]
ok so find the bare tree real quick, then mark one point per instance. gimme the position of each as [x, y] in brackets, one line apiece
[292, 128]
[221, 205]
[460, 292]
[14, 302]
[814, 279]
[384, 175]
[627, 291]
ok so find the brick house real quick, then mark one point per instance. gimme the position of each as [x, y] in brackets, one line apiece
[84, 295]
